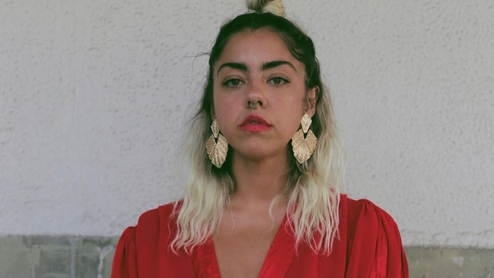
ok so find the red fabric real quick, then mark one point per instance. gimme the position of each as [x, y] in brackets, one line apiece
[369, 245]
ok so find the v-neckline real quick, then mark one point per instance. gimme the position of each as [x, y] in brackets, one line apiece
[276, 264]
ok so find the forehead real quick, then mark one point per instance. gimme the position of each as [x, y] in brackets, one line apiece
[256, 47]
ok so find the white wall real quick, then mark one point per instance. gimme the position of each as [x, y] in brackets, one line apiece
[93, 96]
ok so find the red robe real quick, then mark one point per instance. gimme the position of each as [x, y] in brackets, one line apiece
[369, 245]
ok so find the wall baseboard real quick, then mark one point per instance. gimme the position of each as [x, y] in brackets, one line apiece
[78, 257]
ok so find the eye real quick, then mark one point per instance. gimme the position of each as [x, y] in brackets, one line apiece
[278, 80]
[232, 82]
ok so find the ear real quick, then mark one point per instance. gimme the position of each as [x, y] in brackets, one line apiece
[312, 95]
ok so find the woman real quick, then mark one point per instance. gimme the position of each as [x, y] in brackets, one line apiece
[263, 198]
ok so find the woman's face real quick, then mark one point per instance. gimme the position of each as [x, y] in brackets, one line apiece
[257, 67]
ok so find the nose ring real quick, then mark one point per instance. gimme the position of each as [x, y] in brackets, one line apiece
[252, 105]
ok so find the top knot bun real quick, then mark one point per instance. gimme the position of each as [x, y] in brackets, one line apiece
[275, 7]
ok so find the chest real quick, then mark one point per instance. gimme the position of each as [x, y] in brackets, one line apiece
[242, 245]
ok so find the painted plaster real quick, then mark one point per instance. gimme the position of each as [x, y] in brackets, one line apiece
[94, 95]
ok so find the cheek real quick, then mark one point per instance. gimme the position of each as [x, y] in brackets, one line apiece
[293, 113]
[225, 110]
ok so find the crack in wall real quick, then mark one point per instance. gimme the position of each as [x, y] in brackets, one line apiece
[73, 256]
[103, 252]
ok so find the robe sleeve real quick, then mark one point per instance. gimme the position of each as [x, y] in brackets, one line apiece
[375, 247]
[125, 260]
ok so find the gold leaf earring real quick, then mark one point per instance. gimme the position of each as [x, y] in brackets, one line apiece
[304, 141]
[217, 146]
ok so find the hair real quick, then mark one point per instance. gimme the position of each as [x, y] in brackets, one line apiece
[313, 187]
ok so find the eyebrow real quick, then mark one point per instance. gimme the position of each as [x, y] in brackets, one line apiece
[265, 66]
[233, 65]
[273, 64]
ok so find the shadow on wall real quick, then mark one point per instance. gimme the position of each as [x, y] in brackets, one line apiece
[85, 257]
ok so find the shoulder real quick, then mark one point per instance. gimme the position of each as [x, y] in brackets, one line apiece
[366, 218]
[156, 216]
[374, 240]
[367, 212]
[142, 249]
[157, 222]
[151, 225]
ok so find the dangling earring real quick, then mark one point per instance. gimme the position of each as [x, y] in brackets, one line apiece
[304, 141]
[217, 146]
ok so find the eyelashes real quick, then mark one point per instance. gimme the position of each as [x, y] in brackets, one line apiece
[233, 82]
[279, 80]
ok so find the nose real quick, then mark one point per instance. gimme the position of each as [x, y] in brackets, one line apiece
[256, 96]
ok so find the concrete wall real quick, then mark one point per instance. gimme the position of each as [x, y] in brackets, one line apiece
[85, 257]
[94, 95]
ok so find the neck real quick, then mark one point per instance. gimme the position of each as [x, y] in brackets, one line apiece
[259, 181]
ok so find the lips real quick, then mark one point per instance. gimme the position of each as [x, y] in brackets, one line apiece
[254, 123]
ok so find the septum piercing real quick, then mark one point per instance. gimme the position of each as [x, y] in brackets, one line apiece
[252, 105]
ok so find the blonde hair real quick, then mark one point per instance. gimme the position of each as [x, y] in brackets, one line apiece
[313, 187]
[275, 7]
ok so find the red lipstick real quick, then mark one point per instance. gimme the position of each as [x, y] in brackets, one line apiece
[254, 123]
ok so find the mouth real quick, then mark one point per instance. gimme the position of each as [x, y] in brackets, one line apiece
[254, 123]
[254, 120]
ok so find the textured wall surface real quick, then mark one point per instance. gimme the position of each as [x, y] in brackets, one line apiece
[94, 94]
